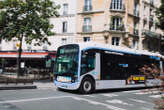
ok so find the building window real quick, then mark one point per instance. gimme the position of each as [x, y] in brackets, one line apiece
[45, 47]
[87, 21]
[64, 41]
[150, 26]
[86, 39]
[64, 26]
[88, 5]
[116, 41]
[29, 48]
[116, 4]
[87, 25]
[65, 9]
[151, 2]
[136, 12]
[116, 23]
[134, 46]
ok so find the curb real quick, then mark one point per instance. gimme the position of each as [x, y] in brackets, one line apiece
[17, 87]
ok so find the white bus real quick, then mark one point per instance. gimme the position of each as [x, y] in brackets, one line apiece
[89, 66]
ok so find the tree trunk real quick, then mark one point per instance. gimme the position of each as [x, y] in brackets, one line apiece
[19, 58]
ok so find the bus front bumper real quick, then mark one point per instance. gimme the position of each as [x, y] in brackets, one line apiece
[68, 86]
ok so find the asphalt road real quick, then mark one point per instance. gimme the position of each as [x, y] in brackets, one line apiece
[52, 99]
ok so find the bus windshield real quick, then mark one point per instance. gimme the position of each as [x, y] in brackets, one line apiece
[67, 60]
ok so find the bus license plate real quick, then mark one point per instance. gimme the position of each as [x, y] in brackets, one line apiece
[63, 79]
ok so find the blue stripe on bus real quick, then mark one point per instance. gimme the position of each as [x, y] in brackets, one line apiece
[154, 57]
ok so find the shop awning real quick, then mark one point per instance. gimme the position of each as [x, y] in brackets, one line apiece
[26, 54]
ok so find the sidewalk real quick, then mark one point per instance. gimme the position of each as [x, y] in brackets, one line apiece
[36, 85]
[17, 86]
[40, 84]
[45, 84]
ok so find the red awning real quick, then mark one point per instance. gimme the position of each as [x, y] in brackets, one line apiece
[24, 54]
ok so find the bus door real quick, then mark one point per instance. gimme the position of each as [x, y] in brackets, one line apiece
[90, 63]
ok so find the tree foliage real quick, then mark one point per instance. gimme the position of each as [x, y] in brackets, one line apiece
[28, 19]
[160, 15]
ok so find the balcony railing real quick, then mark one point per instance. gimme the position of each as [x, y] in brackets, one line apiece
[117, 27]
[87, 28]
[120, 8]
[135, 32]
[87, 8]
[151, 34]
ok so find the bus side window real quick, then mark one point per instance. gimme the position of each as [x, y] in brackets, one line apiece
[87, 62]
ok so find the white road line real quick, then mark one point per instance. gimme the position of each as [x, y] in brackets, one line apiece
[34, 99]
[131, 91]
[98, 103]
[157, 96]
[140, 101]
[143, 108]
[59, 97]
[109, 95]
[147, 92]
[116, 101]
[89, 95]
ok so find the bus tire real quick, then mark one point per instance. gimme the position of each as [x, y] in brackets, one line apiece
[87, 86]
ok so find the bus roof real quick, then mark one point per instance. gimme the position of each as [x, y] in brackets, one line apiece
[93, 45]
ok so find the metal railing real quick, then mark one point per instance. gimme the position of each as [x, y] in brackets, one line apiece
[87, 8]
[117, 27]
[120, 8]
[87, 28]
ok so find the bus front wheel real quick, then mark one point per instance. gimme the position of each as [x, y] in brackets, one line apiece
[87, 86]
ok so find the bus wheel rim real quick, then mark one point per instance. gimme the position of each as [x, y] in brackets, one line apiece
[87, 86]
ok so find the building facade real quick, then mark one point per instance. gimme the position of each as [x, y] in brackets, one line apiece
[127, 23]
[64, 28]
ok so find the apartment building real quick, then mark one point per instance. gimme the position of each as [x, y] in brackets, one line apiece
[127, 23]
[64, 28]
[65, 25]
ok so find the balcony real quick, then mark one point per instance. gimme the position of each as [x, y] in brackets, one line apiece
[117, 27]
[87, 8]
[119, 8]
[151, 34]
[87, 28]
[135, 32]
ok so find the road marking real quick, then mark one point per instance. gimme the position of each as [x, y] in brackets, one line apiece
[140, 101]
[157, 96]
[98, 103]
[116, 101]
[143, 108]
[59, 97]
[147, 92]
[34, 99]
[89, 95]
[131, 91]
[109, 95]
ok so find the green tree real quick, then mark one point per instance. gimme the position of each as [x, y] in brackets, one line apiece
[160, 16]
[27, 20]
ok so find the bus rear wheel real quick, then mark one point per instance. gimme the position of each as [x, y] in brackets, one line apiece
[87, 86]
